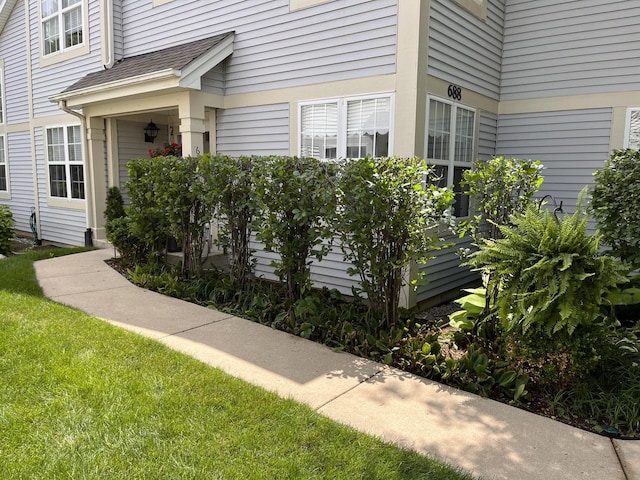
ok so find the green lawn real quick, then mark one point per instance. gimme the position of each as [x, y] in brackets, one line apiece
[82, 399]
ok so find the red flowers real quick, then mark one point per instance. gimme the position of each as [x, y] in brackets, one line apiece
[173, 150]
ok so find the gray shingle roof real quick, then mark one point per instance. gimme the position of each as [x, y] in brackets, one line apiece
[176, 57]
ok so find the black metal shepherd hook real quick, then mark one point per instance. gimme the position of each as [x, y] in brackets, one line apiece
[556, 210]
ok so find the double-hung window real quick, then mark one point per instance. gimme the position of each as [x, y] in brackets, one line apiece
[4, 177]
[62, 25]
[450, 146]
[65, 160]
[346, 128]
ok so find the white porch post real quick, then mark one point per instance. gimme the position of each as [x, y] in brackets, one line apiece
[192, 126]
[411, 78]
[95, 176]
[113, 163]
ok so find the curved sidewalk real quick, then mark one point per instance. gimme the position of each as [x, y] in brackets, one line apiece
[487, 438]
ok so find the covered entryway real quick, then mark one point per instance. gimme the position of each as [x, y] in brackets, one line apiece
[177, 88]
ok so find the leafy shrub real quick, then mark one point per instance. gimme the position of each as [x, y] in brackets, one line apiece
[551, 283]
[297, 201]
[614, 204]
[183, 197]
[232, 187]
[550, 275]
[609, 395]
[120, 233]
[502, 187]
[386, 219]
[6, 229]
[149, 222]
[118, 228]
[115, 204]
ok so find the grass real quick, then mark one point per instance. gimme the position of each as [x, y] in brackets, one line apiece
[82, 399]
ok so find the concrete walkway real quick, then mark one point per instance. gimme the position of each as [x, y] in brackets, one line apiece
[487, 438]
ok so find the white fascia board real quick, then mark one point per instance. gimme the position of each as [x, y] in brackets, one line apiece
[6, 7]
[191, 74]
[124, 84]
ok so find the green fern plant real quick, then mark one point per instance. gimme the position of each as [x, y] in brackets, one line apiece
[548, 273]
[550, 282]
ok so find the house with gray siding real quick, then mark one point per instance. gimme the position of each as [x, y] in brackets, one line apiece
[447, 80]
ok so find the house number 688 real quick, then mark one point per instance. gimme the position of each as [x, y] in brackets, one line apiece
[455, 92]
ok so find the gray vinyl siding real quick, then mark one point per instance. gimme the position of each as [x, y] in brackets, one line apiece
[465, 50]
[444, 273]
[487, 135]
[21, 178]
[570, 144]
[12, 52]
[213, 80]
[53, 79]
[275, 48]
[63, 225]
[260, 130]
[555, 48]
[330, 272]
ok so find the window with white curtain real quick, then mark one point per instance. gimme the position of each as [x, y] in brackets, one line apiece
[450, 146]
[319, 130]
[632, 129]
[65, 160]
[346, 128]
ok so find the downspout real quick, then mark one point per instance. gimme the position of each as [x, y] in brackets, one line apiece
[108, 54]
[88, 234]
[34, 160]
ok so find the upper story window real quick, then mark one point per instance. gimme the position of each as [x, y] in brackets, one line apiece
[346, 128]
[65, 162]
[450, 146]
[62, 25]
[632, 129]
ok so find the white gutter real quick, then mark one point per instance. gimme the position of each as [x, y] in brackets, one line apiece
[148, 77]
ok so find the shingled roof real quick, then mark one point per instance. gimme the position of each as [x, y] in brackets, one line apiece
[177, 58]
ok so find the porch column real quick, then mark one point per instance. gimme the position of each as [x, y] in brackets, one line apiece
[192, 126]
[113, 163]
[95, 179]
[411, 94]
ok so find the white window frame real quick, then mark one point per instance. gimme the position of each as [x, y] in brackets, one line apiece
[342, 103]
[452, 163]
[68, 200]
[629, 140]
[4, 160]
[63, 53]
